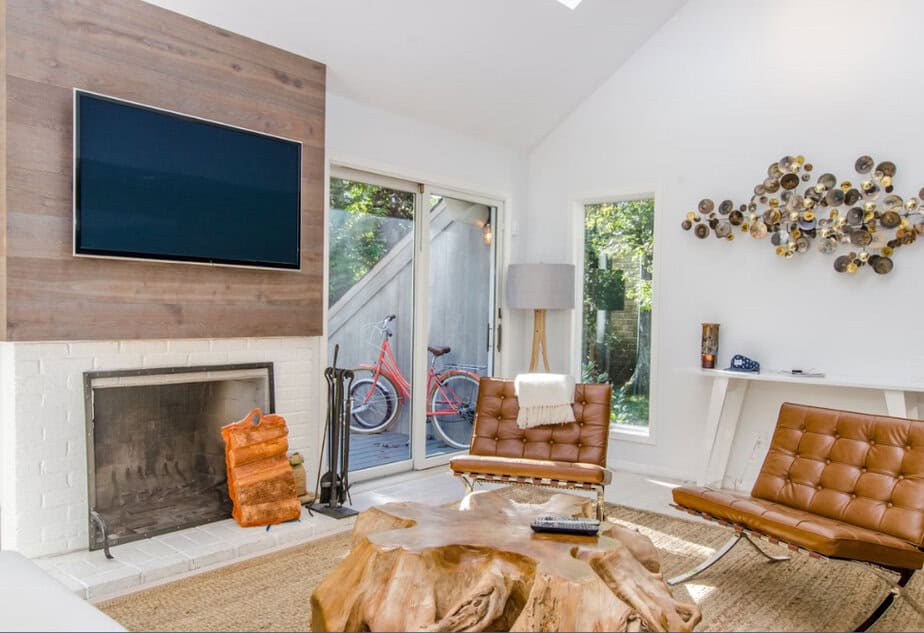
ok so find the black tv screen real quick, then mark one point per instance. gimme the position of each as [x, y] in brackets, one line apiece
[154, 184]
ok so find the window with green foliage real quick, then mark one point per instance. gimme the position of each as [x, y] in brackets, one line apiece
[366, 222]
[616, 348]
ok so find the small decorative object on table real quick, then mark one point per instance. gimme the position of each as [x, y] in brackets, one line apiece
[740, 362]
[710, 347]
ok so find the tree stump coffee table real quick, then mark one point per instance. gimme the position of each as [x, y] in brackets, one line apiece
[481, 568]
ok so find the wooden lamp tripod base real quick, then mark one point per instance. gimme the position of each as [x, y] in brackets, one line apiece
[539, 343]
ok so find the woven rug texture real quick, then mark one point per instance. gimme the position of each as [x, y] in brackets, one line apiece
[742, 592]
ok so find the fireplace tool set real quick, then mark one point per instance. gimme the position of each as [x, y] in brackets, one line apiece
[333, 488]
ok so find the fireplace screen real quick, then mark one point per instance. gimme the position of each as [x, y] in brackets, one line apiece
[155, 456]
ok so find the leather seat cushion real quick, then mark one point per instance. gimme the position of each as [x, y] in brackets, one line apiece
[828, 537]
[519, 467]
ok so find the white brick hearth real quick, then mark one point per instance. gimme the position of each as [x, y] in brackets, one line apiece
[43, 467]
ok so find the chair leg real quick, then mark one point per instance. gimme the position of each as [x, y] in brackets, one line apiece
[469, 485]
[770, 557]
[906, 575]
[601, 509]
[709, 562]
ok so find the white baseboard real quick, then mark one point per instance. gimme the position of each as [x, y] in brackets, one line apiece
[652, 470]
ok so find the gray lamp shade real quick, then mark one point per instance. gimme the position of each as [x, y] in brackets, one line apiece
[540, 286]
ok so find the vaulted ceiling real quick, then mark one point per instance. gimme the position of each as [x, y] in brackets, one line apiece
[506, 71]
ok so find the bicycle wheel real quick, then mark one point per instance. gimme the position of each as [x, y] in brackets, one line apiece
[374, 403]
[452, 407]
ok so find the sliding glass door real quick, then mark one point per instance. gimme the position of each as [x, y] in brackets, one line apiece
[412, 310]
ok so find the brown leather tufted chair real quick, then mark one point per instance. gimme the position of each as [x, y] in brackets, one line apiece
[837, 484]
[571, 455]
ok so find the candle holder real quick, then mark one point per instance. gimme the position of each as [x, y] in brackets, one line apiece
[710, 345]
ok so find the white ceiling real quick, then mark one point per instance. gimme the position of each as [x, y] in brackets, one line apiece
[506, 71]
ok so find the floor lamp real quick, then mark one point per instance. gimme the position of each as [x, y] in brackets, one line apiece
[540, 287]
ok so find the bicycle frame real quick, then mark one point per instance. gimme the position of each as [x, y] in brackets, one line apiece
[387, 365]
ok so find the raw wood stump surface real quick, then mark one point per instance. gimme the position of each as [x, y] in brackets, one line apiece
[481, 568]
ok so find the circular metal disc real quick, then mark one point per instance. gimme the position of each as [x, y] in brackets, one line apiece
[834, 197]
[759, 230]
[887, 168]
[828, 180]
[789, 181]
[771, 185]
[706, 205]
[701, 231]
[774, 170]
[726, 206]
[723, 229]
[841, 263]
[736, 217]
[855, 216]
[892, 202]
[864, 164]
[882, 265]
[787, 164]
[860, 237]
[827, 246]
[687, 225]
[890, 219]
[802, 244]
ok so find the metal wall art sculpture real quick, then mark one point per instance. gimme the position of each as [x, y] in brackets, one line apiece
[868, 218]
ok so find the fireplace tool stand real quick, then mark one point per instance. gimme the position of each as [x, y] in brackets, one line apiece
[333, 488]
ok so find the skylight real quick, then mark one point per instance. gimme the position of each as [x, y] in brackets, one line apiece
[571, 4]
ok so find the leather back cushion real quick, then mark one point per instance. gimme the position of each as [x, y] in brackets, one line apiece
[583, 441]
[861, 469]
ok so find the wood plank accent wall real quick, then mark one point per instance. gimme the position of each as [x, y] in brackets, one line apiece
[136, 51]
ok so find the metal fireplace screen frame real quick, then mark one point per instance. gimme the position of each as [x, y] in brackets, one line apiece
[95, 522]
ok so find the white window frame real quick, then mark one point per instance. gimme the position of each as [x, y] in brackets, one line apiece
[618, 432]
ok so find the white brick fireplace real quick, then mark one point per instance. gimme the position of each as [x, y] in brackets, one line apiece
[43, 432]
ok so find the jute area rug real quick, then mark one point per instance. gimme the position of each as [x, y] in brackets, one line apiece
[742, 592]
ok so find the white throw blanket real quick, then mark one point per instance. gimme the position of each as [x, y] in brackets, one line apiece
[544, 399]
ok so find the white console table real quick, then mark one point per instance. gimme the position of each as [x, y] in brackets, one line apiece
[727, 397]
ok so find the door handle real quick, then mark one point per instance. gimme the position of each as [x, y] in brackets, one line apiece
[499, 330]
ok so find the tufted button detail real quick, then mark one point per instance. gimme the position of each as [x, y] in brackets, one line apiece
[495, 438]
[827, 461]
[524, 440]
[583, 403]
[908, 447]
[818, 487]
[580, 445]
[872, 442]
[551, 441]
[853, 496]
[900, 477]
[837, 436]
[889, 504]
[862, 470]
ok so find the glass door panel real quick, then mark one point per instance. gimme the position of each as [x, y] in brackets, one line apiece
[370, 312]
[461, 326]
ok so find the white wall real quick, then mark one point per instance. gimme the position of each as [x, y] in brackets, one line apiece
[722, 90]
[365, 137]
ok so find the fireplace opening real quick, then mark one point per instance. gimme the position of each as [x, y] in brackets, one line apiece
[155, 456]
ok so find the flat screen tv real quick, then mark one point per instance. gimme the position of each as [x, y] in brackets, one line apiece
[154, 184]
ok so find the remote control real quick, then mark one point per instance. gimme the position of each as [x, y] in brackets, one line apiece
[564, 525]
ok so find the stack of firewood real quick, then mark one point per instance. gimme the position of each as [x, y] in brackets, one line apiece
[260, 480]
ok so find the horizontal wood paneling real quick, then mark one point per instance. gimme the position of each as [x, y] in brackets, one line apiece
[136, 51]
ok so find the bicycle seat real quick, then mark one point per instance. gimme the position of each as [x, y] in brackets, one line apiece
[439, 351]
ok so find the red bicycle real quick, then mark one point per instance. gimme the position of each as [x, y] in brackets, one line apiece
[379, 391]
